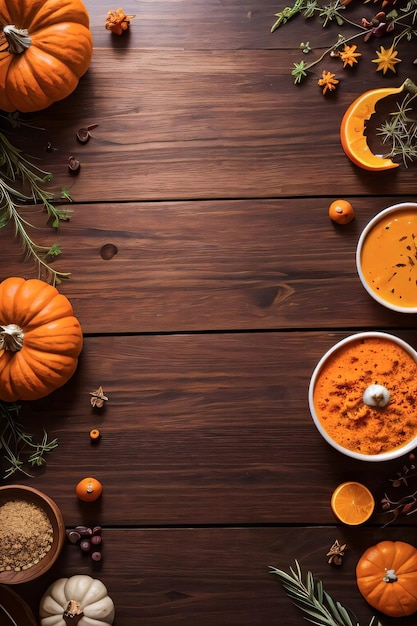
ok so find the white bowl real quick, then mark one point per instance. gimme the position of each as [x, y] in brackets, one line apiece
[390, 211]
[383, 456]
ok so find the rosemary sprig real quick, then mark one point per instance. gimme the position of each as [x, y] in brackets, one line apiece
[16, 443]
[313, 600]
[400, 131]
[16, 168]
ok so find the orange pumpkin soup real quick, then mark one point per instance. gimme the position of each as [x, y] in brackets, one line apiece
[389, 258]
[339, 396]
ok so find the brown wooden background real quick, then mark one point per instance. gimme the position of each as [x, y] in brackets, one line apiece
[209, 281]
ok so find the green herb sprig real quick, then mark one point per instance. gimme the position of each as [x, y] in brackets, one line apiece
[313, 600]
[21, 183]
[399, 24]
[399, 132]
[18, 447]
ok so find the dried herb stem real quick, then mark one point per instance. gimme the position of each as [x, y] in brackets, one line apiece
[385, 22]
[18, 173]
[15, 443]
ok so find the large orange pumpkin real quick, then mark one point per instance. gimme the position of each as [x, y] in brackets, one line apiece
[387, 577]
[40, 339]
[46, 48]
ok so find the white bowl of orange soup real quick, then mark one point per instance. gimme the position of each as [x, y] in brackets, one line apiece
[346, 402]
[386, 257]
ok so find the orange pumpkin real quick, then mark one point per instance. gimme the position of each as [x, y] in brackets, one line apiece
[40, 339]
[387, 577]
[46, 48]
[341, 212]
[89, 489]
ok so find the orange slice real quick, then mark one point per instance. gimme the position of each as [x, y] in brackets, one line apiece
[352, 503]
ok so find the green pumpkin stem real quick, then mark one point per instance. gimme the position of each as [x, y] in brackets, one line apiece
[11, 338]
[17, 38]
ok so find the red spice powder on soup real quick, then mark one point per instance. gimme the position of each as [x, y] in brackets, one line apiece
[386, 417]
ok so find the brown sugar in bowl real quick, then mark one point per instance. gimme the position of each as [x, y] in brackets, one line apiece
[43, 505]
[344, 419]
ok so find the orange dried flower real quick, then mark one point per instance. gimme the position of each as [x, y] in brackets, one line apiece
[327, 81]
[117, 21]
[387, 59]
[349, 54]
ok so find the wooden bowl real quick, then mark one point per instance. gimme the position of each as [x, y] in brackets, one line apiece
[14, 609]
[42, 501]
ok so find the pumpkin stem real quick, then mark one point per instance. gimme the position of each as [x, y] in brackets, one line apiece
[11, 338]
[390, 576]
[73, 613]
[17, 38]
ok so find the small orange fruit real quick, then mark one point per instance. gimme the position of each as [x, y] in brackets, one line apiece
[352, 503]
[341, 212]
[94, 434]
[89, 489]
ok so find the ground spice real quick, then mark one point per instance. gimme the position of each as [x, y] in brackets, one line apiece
[26, 535]
[339, 390]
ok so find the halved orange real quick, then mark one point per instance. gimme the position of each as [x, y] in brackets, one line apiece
[352, 503]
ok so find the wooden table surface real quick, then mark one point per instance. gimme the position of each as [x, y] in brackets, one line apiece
[209, 281]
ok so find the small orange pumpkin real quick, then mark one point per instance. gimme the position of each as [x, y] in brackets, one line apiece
[48, 48]
[386, 576]
[40, 339]
[341, 211]
[89, 489]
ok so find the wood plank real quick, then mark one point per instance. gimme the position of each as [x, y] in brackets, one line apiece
[200, 124]
[199, 266]
[222, 576]
[199, 429]
[205, 24]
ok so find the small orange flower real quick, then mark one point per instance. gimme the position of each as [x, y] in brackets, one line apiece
[327, 81]
[117, 21]
[386, 59]
[348, 55]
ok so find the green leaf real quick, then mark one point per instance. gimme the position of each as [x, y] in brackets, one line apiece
[299, 72]
[4, 219]
[54, 250]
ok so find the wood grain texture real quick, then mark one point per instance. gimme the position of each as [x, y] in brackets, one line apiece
[194, 120]
[211, 265]
[200, 429]
[209, 281]
[221, 576]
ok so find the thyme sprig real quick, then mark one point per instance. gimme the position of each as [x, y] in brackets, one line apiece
[313, 600]
[15, 443]
[21, 183]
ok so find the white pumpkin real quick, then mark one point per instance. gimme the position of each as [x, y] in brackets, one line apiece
[79, 600]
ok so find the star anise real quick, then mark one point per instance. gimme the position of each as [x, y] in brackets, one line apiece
[98, 398]
[336, 552]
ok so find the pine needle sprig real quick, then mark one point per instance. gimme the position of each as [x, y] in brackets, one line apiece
[311, 598]
[18, 173]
